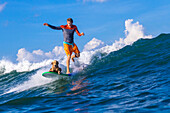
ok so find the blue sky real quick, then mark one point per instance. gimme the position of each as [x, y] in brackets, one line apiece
[21, 22]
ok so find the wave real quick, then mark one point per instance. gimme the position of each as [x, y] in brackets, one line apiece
[28, 61]
[91, 60]
[135, 78]
[143, 56]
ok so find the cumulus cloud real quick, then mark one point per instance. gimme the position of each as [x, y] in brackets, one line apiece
[23, 54]
[93, 44]
[38, 52]
[39, 55]
[2, 6]
[95, 1]
[56, 53]
[58, 50]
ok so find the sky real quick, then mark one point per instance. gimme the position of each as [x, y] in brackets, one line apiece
[21, 22]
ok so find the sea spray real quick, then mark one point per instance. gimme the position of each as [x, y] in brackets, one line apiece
[35, 80]
[22, 66]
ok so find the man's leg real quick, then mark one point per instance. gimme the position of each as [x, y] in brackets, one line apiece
[76, 55]
[76, 51]
[68, 64]
[67, 49]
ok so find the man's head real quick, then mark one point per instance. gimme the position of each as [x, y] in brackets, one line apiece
[69, 22]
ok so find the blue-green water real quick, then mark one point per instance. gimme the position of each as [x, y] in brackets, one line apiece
[133, 79]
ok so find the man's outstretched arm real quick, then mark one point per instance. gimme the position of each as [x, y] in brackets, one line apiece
[52, 27]
[78, 33]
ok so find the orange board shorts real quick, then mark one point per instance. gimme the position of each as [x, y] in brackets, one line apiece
[69, 49]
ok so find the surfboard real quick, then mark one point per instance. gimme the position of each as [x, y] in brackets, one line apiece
[54, 74]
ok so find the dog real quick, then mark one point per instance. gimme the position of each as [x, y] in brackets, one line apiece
[55, 67]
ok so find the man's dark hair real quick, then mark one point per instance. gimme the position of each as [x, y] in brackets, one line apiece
[70, 19]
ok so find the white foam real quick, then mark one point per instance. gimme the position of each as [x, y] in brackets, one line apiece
[24, 65]
[133, 32]
[34, 81]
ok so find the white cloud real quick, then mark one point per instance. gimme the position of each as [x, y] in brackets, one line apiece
[38, 52]
[58, 50]
[39, 55]
[49, 54]
[94, 1]
[93, 44]
[2, 6]
[56, 53]
[23, 54]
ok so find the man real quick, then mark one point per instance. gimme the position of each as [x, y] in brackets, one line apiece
[69, 45]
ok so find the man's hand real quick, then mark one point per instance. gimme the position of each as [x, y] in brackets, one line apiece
[82, 34]
[45, 24]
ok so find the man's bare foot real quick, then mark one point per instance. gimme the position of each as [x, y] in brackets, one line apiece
[72, 59]
[68, 73]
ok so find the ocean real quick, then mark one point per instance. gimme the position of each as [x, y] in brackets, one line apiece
[111, 79]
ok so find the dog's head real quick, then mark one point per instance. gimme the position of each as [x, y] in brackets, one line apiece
[55, 63]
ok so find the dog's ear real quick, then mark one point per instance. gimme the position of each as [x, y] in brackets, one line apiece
[51, 63]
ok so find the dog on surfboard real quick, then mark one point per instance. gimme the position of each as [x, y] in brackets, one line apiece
[55, 67]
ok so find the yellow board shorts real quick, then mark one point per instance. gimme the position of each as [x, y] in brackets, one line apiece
[69, 49]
